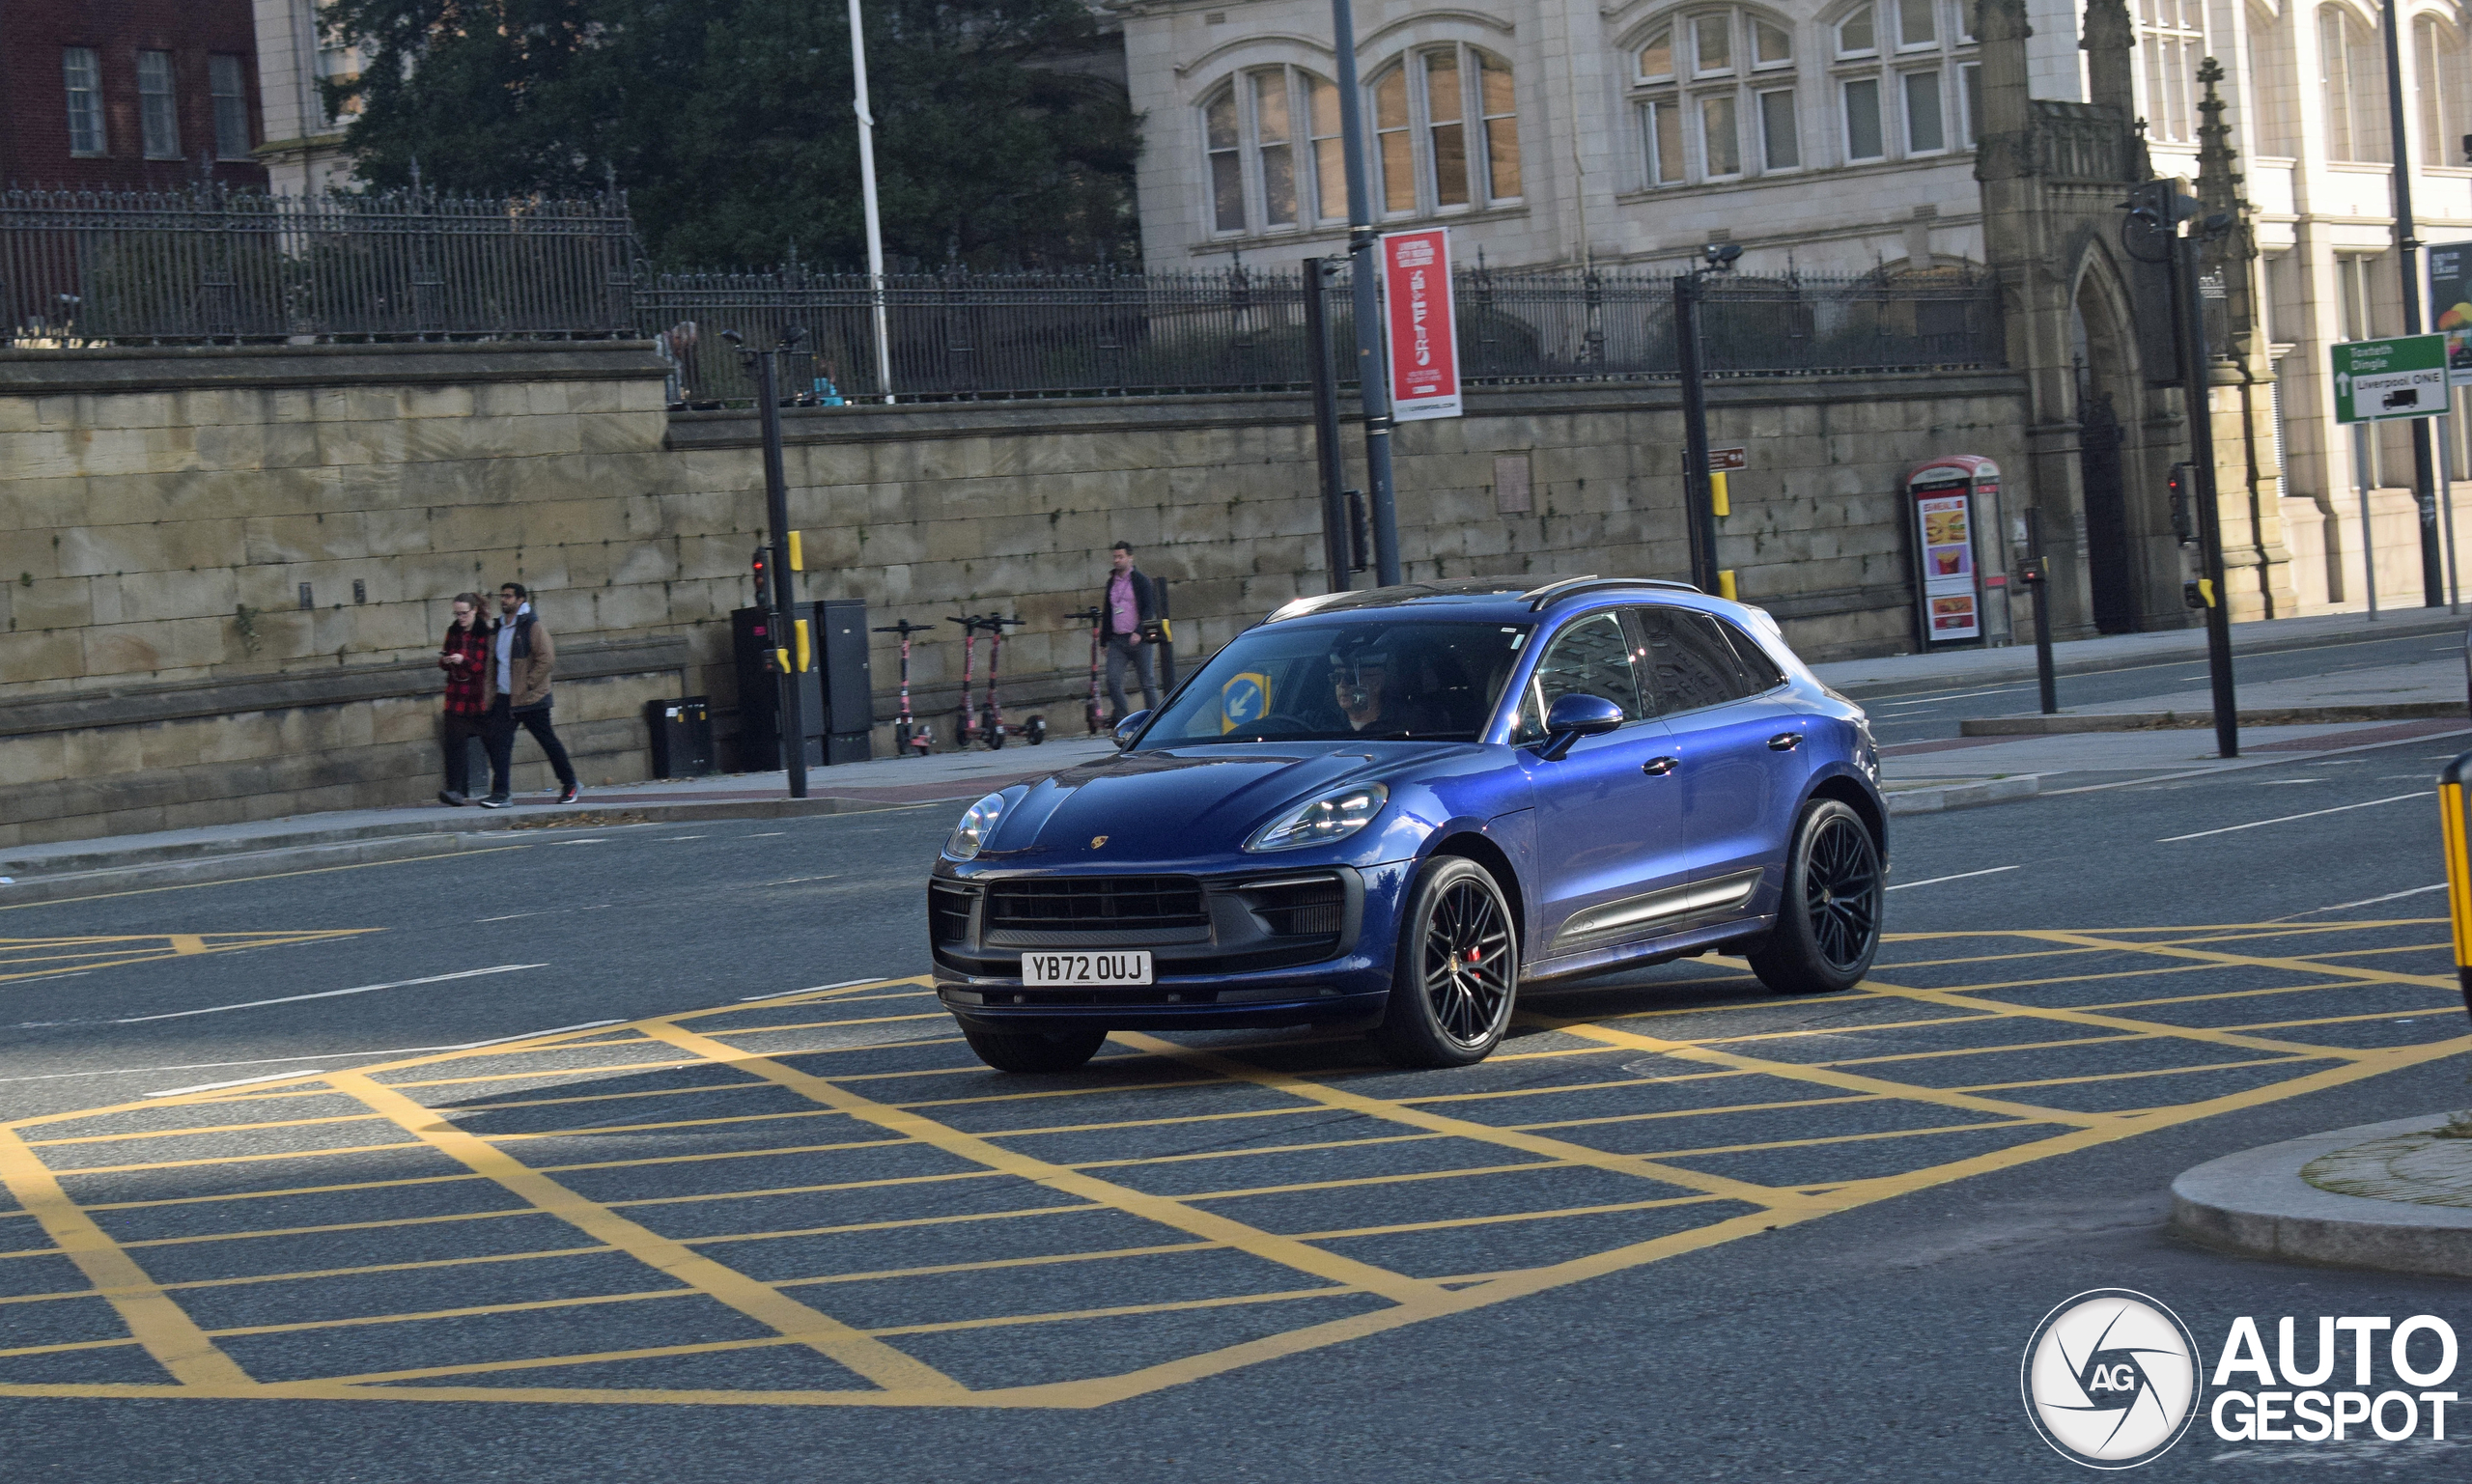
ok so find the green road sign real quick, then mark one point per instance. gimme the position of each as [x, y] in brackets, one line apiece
[2376, 381]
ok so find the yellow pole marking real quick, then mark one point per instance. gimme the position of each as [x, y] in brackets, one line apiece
[1328, 1096]
[1283, 1250]
[2459, 869]
[766, 1305]
[1848, 1081]
[162, 1326]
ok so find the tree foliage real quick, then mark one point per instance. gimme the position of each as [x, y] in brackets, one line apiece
[729, 122]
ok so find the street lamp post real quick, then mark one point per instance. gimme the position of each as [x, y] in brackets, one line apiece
[2407, 257]
[1699, 510]
[1373, 382]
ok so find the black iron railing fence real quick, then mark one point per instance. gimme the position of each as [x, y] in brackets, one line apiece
[80, 267]
[211, 264]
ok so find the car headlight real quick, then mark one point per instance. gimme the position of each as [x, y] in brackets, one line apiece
[971, 833]
[1335, 816]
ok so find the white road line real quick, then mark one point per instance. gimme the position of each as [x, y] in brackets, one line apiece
[261, 1061]
[765, 834]
[2367, 901]
[791, 880]
[509, 918]
[1959, 876]
[682, 837]
[812, 988]
[2288, 818]
[2246, 764]
[238, 1081]
[366, 988]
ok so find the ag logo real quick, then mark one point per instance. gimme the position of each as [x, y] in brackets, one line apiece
[2110, 1379]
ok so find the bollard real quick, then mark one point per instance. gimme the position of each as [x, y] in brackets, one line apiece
[2452, 828]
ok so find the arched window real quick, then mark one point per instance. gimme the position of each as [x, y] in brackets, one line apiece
[1271, 140]
[1713, 96]
[1445, 132]
[1905, 80]
[2274, 118]
[2440, 78]
[2352, 72]
[2171, 34]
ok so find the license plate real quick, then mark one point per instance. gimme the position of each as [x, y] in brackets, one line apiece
[1084, 970]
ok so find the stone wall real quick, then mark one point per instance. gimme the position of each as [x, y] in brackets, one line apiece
[223, 570]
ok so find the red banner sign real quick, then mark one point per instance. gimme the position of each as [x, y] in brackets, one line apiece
[1419, 325]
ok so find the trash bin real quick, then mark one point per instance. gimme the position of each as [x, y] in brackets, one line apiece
[682, 737]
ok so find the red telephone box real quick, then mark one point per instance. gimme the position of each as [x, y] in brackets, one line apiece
[1955, 504]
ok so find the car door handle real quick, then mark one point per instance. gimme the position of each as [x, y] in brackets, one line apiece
[1658, 767]
[1784, 741]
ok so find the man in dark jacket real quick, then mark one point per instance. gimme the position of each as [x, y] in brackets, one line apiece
[521, 656]
[464, 655]
[1128, 613]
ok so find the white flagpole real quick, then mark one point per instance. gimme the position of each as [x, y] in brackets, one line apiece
[867, 190]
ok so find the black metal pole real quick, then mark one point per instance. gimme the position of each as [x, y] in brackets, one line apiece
[2038, 575]
[785, 598]
[1326, 421]
[1699, 512]
[1372, 379]
[2407, 257]
[2197, 367]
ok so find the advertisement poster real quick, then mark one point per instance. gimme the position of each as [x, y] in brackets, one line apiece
[2451, 303]
[1418, 323]
[1951, 603]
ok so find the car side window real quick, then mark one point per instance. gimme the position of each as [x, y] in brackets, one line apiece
[1591, 657]
[1759, 671]
[1687, 660]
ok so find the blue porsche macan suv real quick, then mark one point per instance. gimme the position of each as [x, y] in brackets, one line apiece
[1391, 809]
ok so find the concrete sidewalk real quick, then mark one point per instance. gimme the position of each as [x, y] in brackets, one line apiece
[1922, 778]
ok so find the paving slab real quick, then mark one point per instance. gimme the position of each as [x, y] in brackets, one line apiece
[2391, 1198]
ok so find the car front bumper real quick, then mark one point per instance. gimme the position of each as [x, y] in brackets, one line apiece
[1231, 972]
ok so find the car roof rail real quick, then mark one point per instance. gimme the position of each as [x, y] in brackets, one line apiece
[1571, 587]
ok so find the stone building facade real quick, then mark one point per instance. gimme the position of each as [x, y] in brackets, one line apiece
[304, 152]
[1845, 136]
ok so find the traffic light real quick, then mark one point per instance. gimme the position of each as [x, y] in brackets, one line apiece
[762, 571]
[2184, 503]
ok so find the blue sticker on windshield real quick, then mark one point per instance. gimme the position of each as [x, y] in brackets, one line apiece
[1244, 700]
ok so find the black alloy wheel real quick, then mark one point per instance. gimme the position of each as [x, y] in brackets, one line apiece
[1828, 924]
[1457, 973]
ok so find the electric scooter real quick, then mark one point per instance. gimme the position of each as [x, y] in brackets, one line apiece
[910, 738]
[991, 727]
[1091, 715]
[966, 729]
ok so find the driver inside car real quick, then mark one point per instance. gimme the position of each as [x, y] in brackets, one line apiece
[1362, 684]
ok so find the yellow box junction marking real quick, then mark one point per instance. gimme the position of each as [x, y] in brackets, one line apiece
[33, 958]
[1037, 1155]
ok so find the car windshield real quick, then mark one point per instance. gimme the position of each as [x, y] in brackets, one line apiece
[1329, 682]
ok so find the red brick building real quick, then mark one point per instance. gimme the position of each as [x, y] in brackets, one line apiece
[129, 93]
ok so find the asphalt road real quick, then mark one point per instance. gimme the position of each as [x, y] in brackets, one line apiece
[1919, 715]
[1727, 1237]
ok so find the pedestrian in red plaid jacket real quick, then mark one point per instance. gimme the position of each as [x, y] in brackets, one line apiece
[464, 655]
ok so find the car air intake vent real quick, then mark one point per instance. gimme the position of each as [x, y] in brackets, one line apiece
[949, 915]
[1096, 902]
[1312, 906]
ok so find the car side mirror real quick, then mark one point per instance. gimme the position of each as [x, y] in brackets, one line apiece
[1130, 728]
[1576, 716]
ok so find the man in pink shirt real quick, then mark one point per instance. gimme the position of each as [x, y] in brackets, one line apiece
[1124, 609]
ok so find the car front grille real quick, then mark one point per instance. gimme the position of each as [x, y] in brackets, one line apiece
[1097, 901]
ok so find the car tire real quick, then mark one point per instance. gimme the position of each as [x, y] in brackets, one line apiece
[1034, 1051]
[1828, 919]
[1445, 1009]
